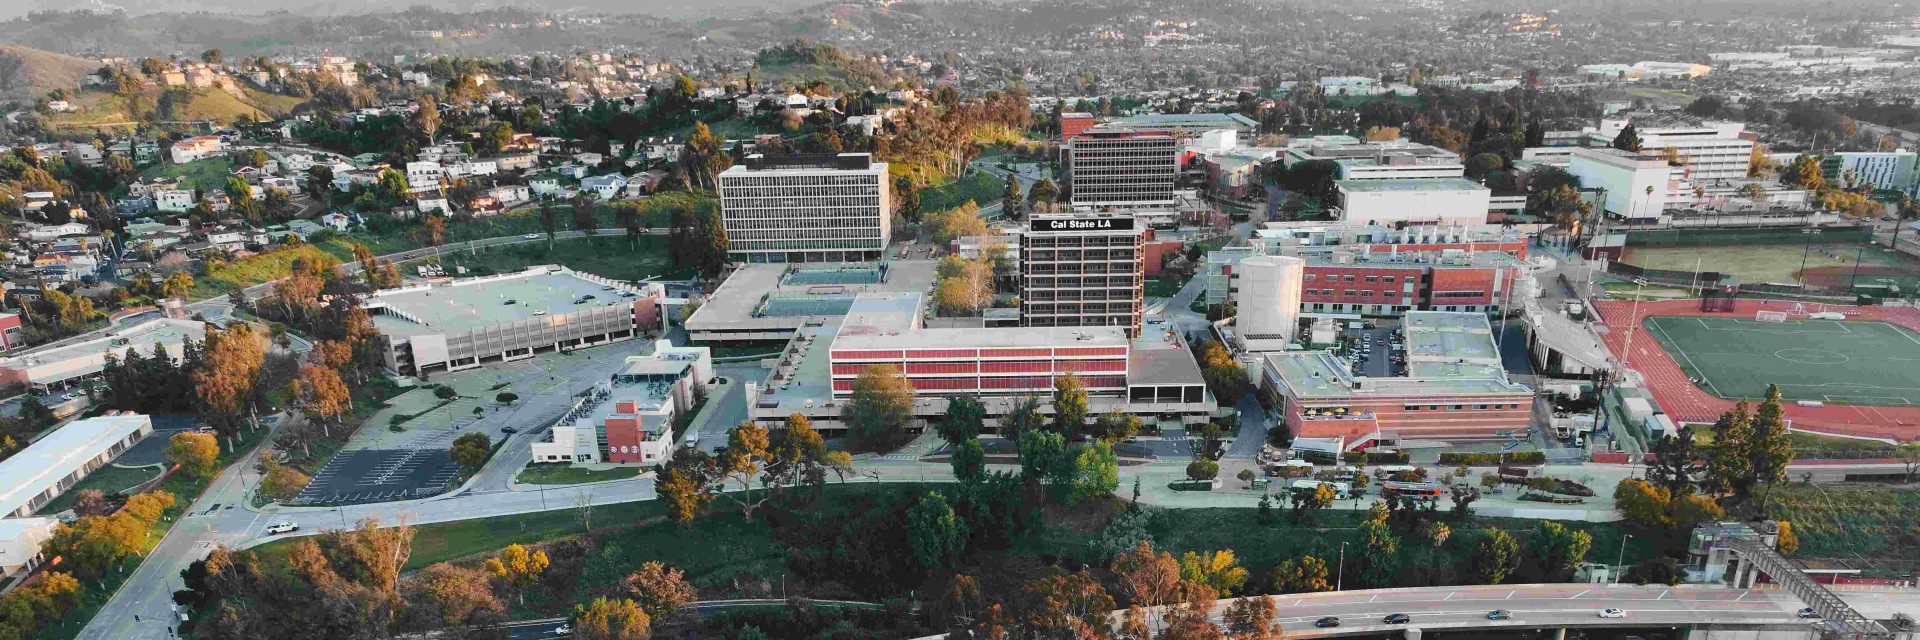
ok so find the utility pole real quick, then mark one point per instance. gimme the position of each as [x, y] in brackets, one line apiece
[1340, 579]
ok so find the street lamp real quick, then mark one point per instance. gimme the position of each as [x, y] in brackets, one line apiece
[1340, 579]
[1810, 233]
[1639, 287]
[1622, 558]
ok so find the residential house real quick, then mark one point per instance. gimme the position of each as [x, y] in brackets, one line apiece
[47, 232]
[589, 158]
[606, 186]
[573, 171]
[433, 204]
[197, 148]
[516, 162]
[173, 200]
[544, 185]
[510, 195]
[338, 221]
[424, 175]
[133, 205]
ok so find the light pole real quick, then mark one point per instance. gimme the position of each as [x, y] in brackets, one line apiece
[1340, 579]
[1639, 287]
[1622, 558]
[1803, 253]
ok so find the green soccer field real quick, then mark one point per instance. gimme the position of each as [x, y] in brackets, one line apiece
[1865, 363]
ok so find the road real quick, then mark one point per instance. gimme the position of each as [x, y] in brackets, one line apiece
[1532, 606]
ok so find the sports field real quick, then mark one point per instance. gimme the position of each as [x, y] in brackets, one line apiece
[1862, 363]
[1827, 265]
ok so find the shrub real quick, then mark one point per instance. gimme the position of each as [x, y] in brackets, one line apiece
[1487, 459]
[1203, 470]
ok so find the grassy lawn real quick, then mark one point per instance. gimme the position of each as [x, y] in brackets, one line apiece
[208, 174]
[108, 479]
[614, 258]
[266, 267]
[1164, 286]
[570, 474]
[1768, 262]
[1854, 522]
[982, 189]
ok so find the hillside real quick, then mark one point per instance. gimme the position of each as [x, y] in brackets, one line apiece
[26, 73]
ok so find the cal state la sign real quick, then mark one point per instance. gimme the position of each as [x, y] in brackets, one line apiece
[1081, 224]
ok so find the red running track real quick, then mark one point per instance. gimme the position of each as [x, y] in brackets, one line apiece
[1686, 402]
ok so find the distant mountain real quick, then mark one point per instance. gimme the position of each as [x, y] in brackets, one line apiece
[26, 72]
[664, 8]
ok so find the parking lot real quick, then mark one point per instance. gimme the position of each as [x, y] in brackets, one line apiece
[381, 463]
[378, 475]
[1373, 354]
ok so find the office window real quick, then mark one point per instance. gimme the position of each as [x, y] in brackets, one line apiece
[1349, 278]
[1387, 279]
[1367, 293]
[1310, 277]
[1352, 292]
[1373, 278]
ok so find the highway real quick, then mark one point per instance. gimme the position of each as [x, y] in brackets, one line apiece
[1532, 607]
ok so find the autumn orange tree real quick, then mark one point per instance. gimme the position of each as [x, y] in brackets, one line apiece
[659, 589]
[457, 593]
[225, 382]
[519, 567]
[1147, 578]
[197, 454]
[320, 394]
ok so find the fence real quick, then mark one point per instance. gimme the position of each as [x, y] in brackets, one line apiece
[1684, 237]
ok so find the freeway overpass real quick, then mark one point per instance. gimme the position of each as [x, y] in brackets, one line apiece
[1548, 606]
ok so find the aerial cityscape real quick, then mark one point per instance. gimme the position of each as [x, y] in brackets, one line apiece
[960, 320]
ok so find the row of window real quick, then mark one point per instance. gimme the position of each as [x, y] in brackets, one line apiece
[1463, 407]
[1349, 278]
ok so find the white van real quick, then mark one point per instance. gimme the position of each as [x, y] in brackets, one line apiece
[692, 439]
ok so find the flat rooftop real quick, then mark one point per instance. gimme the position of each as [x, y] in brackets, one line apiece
[1450, 344]
[472, 303]
[1335, 255]
[1214, 120]
[1160, 357]
[46, 462]
[83, 357]
[743, 301]
[1411, 184]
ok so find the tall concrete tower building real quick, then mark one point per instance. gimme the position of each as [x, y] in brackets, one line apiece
[1122, 168]
[1082, 270]
[807, 208]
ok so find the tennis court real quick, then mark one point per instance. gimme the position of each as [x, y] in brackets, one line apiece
[1860, 363]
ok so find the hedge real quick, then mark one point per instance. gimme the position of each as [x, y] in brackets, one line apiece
[1191, 485]
[1375, 457]
[1482, 459]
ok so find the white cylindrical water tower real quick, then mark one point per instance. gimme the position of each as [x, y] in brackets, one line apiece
[1269, 297]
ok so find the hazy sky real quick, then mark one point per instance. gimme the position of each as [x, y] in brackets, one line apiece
[10, 9]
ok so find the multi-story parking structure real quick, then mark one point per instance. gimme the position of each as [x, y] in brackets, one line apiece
[451, 326]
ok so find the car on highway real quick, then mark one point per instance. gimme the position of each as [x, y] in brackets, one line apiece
[530, 236]
[1398, 618]
[283, 527]
[509, 430]
[1611, 612]
[1808, 612]
[1499, 614]
[563, 629]
[1327, 622]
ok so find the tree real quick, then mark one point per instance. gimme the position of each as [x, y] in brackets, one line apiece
[937, 535]
[549, 222]
[519, 567]
[959, 222]
[1479, 166]
[659, 589]
[1114, 427]
[197, 454]
[1225, 377]
[1772, 449]
[281, 482]
[1147, 578]
[1804, 173]
[1909, 454]
[1496, 557]
[1069, 606]
[1730, 466]
[1096, 472]
[965, 416]
[1010, 196]
[1309, 575]
[91, 502]
[1203, 470]
[507, 397]
[1252, 618]
[470, 451]
[459, 593]
[1382, 551]
[969, 460]
[1042, 191]
[605, 619]
[177, 285]
[1219, 570]
[1628, 139]
[583, 218]
[1787, 542]
[225, 382]
[684, 489]
[1674, 459]
[1559, 549]
[148, 507]
[426, 117]
[320, 394]
[880, 407]
[1069, 406]
[1041, 454]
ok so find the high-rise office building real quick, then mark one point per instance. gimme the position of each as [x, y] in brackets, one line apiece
[1080, 270]
[807, 208]
[1123, 168]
